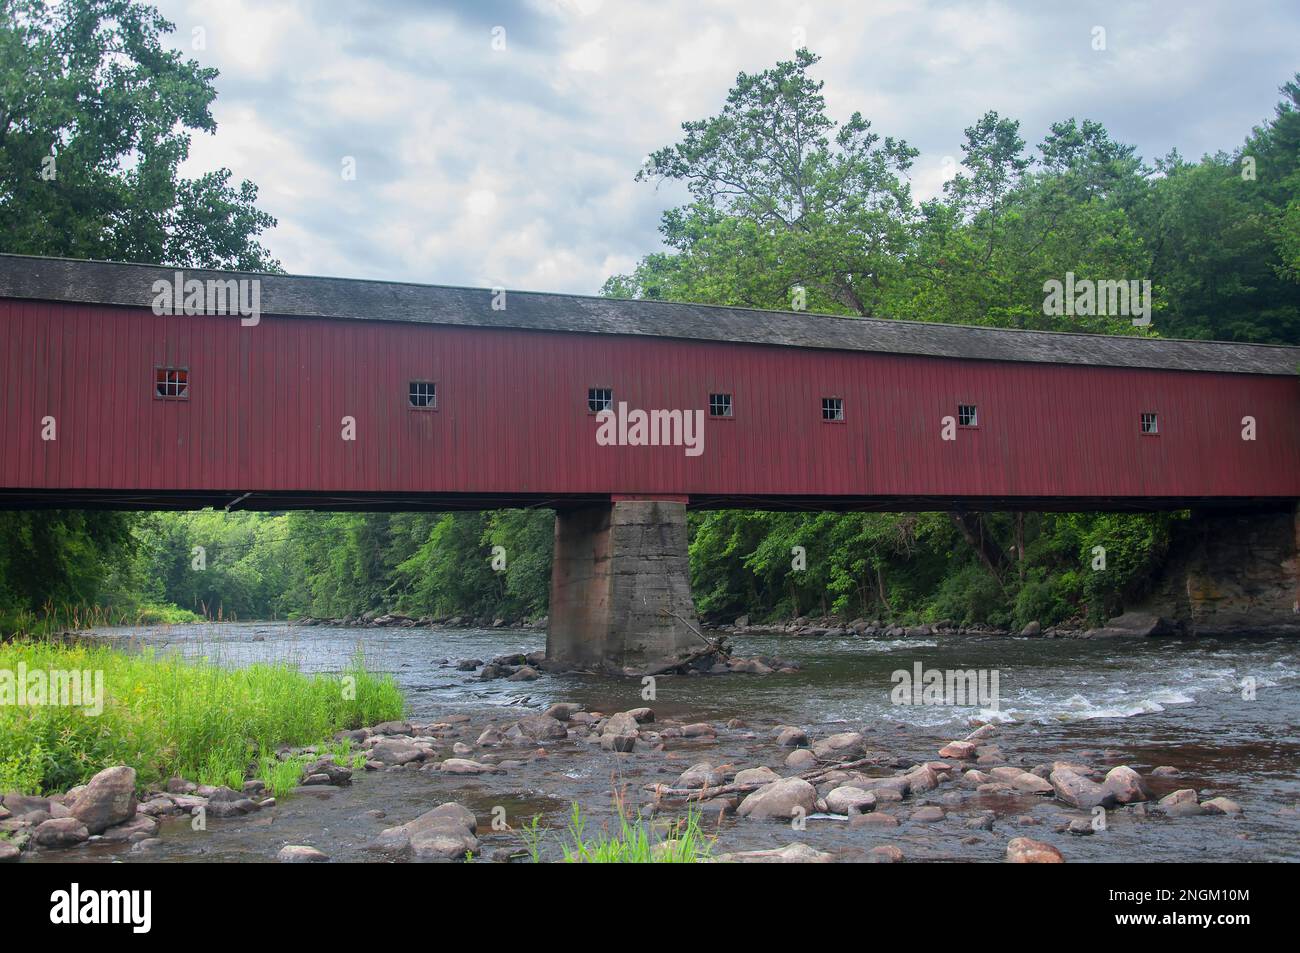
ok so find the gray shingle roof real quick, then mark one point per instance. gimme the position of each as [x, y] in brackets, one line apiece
[113, 283]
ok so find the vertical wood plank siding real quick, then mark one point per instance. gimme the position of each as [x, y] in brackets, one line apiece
[266, 404]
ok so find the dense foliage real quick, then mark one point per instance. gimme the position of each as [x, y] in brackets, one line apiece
[788, 209]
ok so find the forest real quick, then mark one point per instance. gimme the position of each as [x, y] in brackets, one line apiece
[789, 208]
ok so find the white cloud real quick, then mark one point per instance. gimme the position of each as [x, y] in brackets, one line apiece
[516, 167]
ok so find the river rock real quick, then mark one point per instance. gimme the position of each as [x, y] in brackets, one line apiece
[9, 853]
[961, 750]
[1126, 784]
[780, 800]
[922, 779]
[1031, 784]
[622, 723]
[20, 805]
[929, 814]
[850, 801]
[300, 854]
[563, 711]
[702, 775]
[1026, 850]
[756, 776]
[790, 854]
[61, 832]
[525, 673]
[642, 715]
[846, 745]
[391, 751]
[137, 828]
[443, 840]
[801, 759]
[466, 766]
[885, 854]
[789, 737]
[1221, 805]
[1078, 791]
[541, 728]
[107, 799]
[392, 728]
[327, 768]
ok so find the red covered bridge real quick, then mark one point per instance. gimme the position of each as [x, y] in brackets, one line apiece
[345, 394]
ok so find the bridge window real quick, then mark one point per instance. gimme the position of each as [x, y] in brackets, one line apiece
[423, 394]
[600, 398]
[833, 409]
[1150, 424]
[967, 415]
[171, 383]
[719, 405]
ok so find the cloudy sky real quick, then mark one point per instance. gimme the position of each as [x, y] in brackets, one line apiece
[495, 141]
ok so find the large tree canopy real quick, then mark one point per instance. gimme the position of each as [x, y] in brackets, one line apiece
[95, 120]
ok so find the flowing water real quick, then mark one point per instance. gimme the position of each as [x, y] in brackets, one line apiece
[1141, 702]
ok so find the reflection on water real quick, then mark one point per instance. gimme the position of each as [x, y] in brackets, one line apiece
[1136, 701]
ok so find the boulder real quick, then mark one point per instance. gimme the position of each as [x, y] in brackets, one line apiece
[642, 715]
[780, 800]
[563, 711]
[801, 759]
[756, 776]
[846, 745]
[465, 766]
[137, 828]
[788, 737]
[61, 832]
[702, 775]
[107, 799]
[541, 728]
[443, 840]
[300, 854]
[391, 751]
[9, 853]
[1133, 625]
[1032, 784]
[850, 801]
[1221, 805]
[622, 723]
[958, 749]
[1078, 791]
[1126, 784]
[399, 838]
[922, 779]
[1026, 850]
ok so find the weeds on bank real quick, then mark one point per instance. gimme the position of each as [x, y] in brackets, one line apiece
[164, 716]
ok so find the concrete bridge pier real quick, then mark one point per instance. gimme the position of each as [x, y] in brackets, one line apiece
[620, 587]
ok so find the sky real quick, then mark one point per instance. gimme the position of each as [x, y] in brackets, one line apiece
[495, 143]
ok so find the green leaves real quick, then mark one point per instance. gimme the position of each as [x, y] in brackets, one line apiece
[95, 119]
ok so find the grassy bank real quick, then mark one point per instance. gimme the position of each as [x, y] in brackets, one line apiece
[166, 716]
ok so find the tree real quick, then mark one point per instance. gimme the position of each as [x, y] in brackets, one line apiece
[95, 119]
[783, 200]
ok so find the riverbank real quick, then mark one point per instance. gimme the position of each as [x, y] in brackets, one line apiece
[69, 710]
[1095, 705]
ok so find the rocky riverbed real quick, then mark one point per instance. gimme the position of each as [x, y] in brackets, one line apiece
[1108, 750]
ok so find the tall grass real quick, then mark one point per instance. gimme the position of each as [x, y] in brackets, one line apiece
[165, 716]
[52, 618]
[632, 841]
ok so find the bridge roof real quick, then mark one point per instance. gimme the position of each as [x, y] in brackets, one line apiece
[131, 285]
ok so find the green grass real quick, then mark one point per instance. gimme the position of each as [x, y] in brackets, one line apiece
[52, 619]
[631, 842]
[166, 716]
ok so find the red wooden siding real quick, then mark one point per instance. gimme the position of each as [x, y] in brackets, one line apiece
[265, 405]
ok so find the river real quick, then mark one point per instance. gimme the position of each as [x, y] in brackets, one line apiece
[1141, 702]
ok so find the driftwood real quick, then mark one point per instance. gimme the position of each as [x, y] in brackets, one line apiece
[814, 776]
[715, 648]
